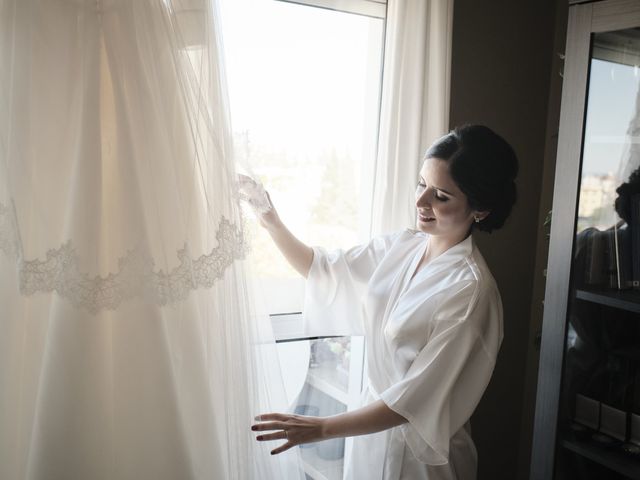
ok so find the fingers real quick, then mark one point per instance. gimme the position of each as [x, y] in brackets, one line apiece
[272, 421]
[282, 448]
[254, 193]
[281, 435]
[295, 429]
[282, 417]
[269, 199]
[245, 179]
[260, 427]
[277, 423]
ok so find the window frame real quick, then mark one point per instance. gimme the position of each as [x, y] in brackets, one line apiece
[367, 8]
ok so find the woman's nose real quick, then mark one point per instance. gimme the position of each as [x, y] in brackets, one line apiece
[422, 200]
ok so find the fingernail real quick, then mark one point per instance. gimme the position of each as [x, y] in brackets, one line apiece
[254, 428]
[259, 437]
[257, 419]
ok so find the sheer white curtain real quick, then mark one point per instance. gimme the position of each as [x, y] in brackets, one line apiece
[125, 332]
[415, 104]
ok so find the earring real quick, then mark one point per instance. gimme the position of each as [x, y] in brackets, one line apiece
[477, 219]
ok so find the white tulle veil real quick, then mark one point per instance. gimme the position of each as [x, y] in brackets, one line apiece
[127, 341]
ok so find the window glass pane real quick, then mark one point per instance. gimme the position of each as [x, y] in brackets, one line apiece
[304, 86]
[332, 385]
[606, 156]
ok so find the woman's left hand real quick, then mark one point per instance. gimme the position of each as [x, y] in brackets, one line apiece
[295, 429]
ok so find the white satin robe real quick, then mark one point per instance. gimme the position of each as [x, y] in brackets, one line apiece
[432, 342]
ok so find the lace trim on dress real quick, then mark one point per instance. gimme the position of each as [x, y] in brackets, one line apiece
[136, 276]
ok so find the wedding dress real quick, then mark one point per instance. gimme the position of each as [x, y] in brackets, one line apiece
[124, 325]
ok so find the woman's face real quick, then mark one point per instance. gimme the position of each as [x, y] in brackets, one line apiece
[442, 208]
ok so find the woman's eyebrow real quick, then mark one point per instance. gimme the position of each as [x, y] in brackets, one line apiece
[437, 188]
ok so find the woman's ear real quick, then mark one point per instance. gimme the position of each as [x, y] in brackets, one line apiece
[479, 215]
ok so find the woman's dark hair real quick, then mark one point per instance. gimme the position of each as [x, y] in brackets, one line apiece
[484, 166]
[625, 191]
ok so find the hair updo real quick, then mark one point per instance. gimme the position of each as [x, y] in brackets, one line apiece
[484, 167]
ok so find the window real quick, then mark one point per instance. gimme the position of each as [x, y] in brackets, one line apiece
[304, 88]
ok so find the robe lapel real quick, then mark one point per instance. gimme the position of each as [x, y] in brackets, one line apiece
[455, 254]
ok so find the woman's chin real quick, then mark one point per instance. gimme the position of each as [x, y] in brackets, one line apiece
[424, 226]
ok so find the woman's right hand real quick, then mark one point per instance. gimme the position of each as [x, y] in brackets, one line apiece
[269, 219]
[258, 198]
[299, 255]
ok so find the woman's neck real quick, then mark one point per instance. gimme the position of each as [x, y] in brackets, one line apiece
[438, 245]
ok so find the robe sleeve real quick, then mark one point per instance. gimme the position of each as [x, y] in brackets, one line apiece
[336, 284]
[445, 382]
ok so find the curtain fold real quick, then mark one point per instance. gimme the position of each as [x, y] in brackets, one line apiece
[414, 106]
[127, 343]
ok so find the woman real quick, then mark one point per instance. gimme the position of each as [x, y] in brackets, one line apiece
[429, 308]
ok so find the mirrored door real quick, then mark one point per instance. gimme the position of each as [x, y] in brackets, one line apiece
[599, 411]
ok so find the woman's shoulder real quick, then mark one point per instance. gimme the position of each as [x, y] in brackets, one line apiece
[404, 233]
[413, 233]
[471, 281]
[477, 265]
[407, 235]
[387, 241]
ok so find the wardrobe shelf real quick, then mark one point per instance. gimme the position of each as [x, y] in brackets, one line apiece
[628, 300]
[613, 460]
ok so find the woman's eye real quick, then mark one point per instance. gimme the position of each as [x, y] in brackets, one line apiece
[440, 197]
[421, 186]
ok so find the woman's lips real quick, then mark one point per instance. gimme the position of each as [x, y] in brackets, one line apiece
[425, 218]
